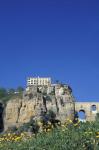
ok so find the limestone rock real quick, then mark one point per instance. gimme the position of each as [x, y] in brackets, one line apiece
[20, 111]
[27, 111]
[12, 110]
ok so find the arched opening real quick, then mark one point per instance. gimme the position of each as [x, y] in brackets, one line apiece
[82, 116]
[1, 117]
[94, 109]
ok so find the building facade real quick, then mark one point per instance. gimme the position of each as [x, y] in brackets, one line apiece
[38, 81]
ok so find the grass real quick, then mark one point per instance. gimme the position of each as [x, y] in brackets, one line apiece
[82, 136]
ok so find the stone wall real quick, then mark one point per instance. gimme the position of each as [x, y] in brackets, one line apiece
[87, 108]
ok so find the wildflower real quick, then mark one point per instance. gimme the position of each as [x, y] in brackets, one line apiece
[22, 134]
[97, 133]
[9, 134]
[40, 123]
[97, 136]
[48, 130]
[75, 124]
[70, 121]
[18, 138]
[62, 125]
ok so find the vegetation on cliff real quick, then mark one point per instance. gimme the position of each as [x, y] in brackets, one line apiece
[6, 95]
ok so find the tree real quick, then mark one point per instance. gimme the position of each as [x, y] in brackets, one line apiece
[3, 92]
[11, 91]
[20, 89]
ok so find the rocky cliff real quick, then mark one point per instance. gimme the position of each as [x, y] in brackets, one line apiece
[59, 100]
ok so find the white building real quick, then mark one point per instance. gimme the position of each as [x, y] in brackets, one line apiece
[38, 81]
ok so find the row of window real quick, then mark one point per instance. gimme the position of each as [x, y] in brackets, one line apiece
[38, 82]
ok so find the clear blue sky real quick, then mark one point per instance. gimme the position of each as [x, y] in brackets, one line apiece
[57, 38]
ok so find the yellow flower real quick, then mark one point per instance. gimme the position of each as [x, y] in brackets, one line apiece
[22, 134]
[9, 134]
[70, 121]
[97, 136]
[49, 123]
[75, 124]
[62, 125]
[39, 123]
[48, 130]
[97, 132]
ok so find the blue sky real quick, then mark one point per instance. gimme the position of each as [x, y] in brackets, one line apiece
[57, 38]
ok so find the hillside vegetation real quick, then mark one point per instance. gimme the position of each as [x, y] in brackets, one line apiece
[6, 95]
[68, 136]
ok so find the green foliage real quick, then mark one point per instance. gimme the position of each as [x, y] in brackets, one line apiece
[51, 114]
[3, 92]
[12, 129]
[11, 91]
[31, 126]
[82, 137]
[97, 117]
[20, 89]
[6, 95]
[24, 128]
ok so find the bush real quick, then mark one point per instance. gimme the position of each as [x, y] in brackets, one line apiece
[3, 92]
[12, 129]
[31, 126]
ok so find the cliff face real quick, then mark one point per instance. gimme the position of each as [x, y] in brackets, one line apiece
[19, 111]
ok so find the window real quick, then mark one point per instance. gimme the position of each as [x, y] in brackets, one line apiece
[82, 115]
[93, 109]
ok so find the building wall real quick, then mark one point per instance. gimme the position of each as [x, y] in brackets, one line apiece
[87, 108]
[38, 81]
